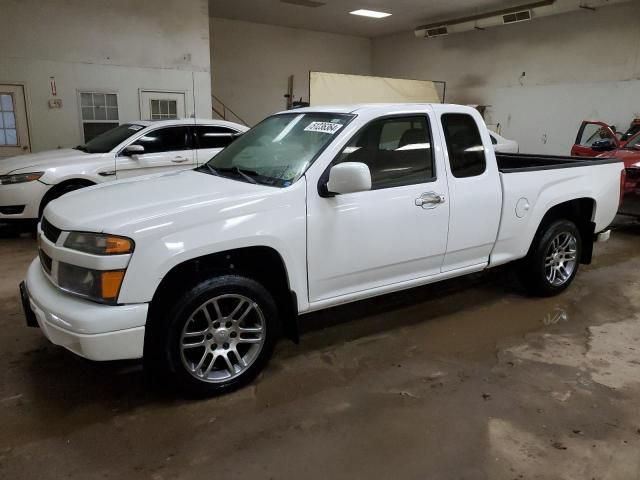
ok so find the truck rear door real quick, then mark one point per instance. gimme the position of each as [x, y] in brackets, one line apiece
[475, 192]
[593, 138]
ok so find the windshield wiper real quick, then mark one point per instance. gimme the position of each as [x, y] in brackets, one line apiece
[82, 148]
[212, 170]
[244, 173]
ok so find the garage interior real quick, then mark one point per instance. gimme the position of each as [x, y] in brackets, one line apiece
[470, 378]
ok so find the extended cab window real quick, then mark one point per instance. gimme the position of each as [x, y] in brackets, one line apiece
[209, 136]
[167, 139]
[397, 151]
[466, 151]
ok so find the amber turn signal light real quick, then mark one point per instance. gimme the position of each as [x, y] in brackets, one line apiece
[110, 284]
[116, 245]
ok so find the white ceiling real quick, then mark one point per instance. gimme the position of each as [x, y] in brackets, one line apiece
[334, 16]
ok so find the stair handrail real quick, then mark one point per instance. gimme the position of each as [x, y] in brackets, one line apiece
[225, 109]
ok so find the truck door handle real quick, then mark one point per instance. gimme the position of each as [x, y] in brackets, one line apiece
[429, 200]
[179, 160]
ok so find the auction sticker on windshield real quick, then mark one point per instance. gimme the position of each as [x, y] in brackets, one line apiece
[323, 127]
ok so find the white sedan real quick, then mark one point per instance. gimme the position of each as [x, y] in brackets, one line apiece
[503, 145]
[29, 182]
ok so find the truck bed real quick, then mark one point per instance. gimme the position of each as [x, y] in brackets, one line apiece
[547, 181]
[524, 162]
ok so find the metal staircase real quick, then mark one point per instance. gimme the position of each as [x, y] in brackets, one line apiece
[225, 113]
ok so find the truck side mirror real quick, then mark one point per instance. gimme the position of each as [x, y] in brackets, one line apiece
[349, 177]
[603, 145]
[132, 150]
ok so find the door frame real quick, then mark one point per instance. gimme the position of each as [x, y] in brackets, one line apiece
[27, 106]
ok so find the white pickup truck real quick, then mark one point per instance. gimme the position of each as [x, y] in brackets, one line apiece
[199, 272]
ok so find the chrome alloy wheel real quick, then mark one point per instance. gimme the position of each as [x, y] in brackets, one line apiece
[222, 338]
[560, 260]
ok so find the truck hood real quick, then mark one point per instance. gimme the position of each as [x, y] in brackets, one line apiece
[145, 203]
[629, 157]
[42, 160]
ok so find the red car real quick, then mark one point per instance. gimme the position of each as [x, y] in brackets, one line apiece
[597, 139]
[630, 155]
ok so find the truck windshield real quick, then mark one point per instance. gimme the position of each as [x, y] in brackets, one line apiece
[278, 150]
[110, 139]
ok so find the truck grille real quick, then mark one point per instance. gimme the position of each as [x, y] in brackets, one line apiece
[52, 233]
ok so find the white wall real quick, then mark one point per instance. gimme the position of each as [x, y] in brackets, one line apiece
[578, 65]
[119, 46]
[251, 63]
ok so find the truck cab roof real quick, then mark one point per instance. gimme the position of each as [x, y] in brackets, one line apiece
[378, 108]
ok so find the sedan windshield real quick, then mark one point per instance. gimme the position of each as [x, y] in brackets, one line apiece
[110, 139]
[278, 150]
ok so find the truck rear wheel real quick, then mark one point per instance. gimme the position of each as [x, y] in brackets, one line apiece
[553, 260]
[218, 337]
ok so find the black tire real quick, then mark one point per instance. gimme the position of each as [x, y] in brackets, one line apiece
[163, 358]
[533, 271]
[57, 192]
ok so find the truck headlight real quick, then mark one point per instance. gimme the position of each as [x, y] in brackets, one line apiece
[20, 178]
[99, 243]
[98, 285]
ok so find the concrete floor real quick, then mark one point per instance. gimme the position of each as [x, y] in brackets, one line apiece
[465, 380]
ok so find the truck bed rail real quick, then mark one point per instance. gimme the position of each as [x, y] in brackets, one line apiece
[524, 162]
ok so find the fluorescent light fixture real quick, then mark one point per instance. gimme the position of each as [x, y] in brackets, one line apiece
[370, 13]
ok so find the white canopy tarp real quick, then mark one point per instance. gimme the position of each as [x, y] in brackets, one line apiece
[338, 88]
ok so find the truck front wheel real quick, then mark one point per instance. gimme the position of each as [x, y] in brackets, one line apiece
[218, 336]
[553, 260]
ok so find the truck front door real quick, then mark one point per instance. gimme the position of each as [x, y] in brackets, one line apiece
[395, 232]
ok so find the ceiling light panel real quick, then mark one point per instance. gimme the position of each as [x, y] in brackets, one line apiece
[305, 3]
[370, 13]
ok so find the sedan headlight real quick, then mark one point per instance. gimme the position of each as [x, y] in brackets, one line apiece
[99, 243]
[20, 178]
[99, 286]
